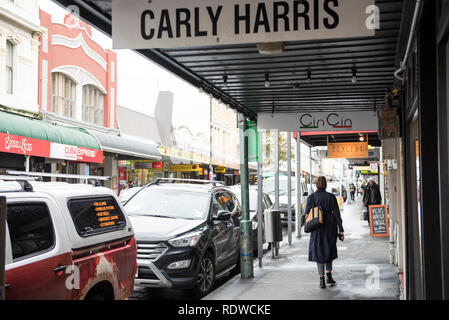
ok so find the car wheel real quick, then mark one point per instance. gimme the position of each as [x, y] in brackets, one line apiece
[206, 276]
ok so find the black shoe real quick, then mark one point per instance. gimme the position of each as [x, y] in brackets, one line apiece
[330, 280]
[322, 283]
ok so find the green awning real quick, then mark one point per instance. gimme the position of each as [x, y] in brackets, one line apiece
[39, 129]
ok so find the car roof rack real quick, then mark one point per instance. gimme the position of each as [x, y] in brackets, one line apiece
[173, 180]
[94, 180]
[21, 180]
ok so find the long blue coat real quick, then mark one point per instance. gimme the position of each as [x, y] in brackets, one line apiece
[323, 241]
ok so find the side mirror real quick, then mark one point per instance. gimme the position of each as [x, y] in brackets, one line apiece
[222, 215]
[305, 194]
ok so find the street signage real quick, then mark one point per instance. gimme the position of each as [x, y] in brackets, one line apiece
[347, 150]
[378, 219]
[140, 24]
[360, 121]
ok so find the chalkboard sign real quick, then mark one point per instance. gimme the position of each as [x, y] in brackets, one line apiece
[378, 219]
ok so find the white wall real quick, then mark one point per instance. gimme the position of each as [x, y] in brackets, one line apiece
[19, 23]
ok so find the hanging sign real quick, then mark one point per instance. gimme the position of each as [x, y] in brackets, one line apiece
[347, 150]
[140, 24]
[319, 121]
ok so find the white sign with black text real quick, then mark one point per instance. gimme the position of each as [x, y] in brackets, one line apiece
[140, 24]
[319, 121]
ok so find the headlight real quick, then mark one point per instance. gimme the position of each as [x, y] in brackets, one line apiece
[188, 240]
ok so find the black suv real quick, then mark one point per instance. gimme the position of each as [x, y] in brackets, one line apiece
[187, 234]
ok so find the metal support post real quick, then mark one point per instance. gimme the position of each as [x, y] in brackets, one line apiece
[289, 185]
[246, 247]
[298, 213]
[2, 246]
[310, 169]
[260, 222]
[276, 170]
[275, 247]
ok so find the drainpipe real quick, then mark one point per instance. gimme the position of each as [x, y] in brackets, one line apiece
[403, 64]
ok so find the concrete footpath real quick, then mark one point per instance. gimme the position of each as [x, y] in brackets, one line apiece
[362, 270]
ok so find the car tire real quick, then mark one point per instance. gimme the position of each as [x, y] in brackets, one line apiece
[205, 279]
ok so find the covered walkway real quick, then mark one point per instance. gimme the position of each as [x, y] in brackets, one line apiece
[292, 277]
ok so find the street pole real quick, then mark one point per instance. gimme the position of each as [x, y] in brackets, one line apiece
[310, 169]
[2, 246]
[289, 185]
[298, 213]
[276, 170]
[259, 201]
[246, 247]
[211, 167]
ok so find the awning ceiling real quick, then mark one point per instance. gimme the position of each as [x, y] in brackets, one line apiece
[330, 63]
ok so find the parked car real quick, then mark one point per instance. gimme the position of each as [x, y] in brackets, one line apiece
[126, 194]
[266, 204]
[187, 235]
[66, 241]
[269, 188]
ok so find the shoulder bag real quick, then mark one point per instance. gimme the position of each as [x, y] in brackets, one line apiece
[314, 218]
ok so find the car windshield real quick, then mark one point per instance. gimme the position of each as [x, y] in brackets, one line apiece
[168, 204]
[269, 187]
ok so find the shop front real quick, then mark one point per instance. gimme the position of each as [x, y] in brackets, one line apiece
[31, 144]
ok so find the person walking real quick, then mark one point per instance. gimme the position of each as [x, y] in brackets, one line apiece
[323, 241]
[371, 195]
[352, 189]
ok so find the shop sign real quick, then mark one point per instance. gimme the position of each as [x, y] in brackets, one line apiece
[140, 24]
[220, 170]
[368, 172]
[361, 121]
[347, 150]
[183, 167]
[148, 165]
[46, 149]
[374, 166]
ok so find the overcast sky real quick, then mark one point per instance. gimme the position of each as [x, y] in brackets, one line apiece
[139, 81]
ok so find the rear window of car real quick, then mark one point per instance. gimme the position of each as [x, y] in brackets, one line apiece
[97, 215]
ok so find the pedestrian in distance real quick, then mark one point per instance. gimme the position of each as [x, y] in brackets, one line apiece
[131, 184]
[371, 195]
[352, 189]
[323, 241]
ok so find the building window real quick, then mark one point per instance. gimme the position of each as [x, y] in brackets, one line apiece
[9, 66]
[93, 105]
[63, 93]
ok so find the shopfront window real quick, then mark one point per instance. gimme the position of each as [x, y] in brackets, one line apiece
[93, 105]
[63, 95]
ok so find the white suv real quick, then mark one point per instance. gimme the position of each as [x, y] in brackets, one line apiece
[66, 241]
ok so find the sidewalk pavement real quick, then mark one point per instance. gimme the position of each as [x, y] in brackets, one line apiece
[362, 271]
